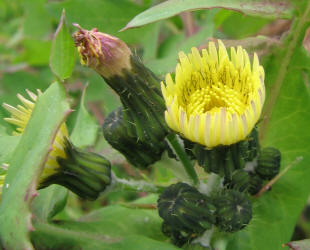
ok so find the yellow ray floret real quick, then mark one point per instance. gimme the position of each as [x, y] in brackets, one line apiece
[215, 99]
[20, 117]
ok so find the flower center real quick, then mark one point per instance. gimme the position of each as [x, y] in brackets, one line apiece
[213, 87]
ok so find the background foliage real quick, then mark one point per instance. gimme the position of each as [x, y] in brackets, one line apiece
[32, 56]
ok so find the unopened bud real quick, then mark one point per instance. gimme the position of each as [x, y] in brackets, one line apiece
[185, 209]
[121, 136]
[234, 210]
[244, 181]
[268, 163]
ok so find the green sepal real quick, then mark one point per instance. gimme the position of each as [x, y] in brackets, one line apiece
[185, 209]
[268, 163]
[117, 132]
[85, 173]
[225, 160]
[222, 160]
[234, 210]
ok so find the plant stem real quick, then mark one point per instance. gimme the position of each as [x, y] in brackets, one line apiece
[137, 186]
[181, 154]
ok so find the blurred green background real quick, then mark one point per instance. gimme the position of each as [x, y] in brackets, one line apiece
[26, 33]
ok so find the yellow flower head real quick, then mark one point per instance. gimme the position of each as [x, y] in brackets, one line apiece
[214, 99]
[20, 117]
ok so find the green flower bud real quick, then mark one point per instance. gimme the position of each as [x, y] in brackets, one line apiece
[234, 210]
[243, 181]
[117, 132]
[84, 173]
[137, 87]
[268, 163]
[185, 209]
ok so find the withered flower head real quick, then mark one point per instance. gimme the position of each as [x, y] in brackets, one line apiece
[106, 54]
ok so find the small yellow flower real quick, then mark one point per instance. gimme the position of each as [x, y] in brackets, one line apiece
[20, 117]
[214, 99]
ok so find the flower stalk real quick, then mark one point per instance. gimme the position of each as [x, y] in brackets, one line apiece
[134, 185]
[183, 157]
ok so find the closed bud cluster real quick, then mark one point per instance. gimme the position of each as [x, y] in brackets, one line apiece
[85, 173]
[187, 213]
[137, 87]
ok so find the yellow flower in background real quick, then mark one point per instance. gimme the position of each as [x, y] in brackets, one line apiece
[2, 176]
[20, 117]
[215, 99]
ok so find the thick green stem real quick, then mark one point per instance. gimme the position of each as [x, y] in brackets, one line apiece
[181, 154]
[137, 186]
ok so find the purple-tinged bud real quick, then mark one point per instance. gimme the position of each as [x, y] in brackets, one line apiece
[106, 54]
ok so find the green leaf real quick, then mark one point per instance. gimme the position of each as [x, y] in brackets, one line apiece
[112, 227]
[63, 51]
[85, 129]
[285, 126]
[8, 144]
[25, 167]
[54, 237]
[271, 9]
[49, 202]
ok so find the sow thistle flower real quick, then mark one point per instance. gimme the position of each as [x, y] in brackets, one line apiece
[214, 99]
[86, 174]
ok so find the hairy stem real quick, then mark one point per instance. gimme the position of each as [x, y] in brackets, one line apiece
[136, 186]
